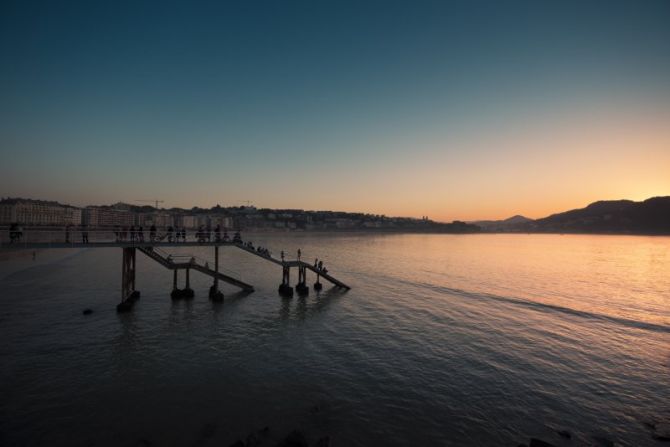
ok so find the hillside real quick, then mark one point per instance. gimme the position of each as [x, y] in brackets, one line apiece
[651, 216]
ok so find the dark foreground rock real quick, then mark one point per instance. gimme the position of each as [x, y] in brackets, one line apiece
[603, 442]
[534, 442]
[662, 432]
[294, 439]
[87, 311]
[564, 434]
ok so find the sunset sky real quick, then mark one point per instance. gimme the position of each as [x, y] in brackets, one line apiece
[454, 110]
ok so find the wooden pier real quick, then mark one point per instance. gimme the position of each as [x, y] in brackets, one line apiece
[155, 250]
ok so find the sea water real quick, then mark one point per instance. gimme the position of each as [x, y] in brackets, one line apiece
[442, 340]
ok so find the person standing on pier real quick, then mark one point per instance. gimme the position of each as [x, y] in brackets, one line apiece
[152, 232]
[140, 233]
[217, 233]
[67, 233]
[84, 234]
[282, 256]
[132, 233]
[299, 253]
[316, 261]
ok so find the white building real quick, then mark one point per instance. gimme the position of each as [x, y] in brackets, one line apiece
[103, 216]
[38, 212]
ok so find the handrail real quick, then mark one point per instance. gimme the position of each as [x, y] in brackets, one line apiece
[84, 237]
[75, 235]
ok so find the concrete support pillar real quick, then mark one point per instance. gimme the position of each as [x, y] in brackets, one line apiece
[301, 287]
[216, 267]
[285, 288]
[214, 293]
[128, 293]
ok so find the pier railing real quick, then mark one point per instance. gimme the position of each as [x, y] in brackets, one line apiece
[150, 243]
[75, 236]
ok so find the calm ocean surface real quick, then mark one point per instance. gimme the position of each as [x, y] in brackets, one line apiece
[443, 340]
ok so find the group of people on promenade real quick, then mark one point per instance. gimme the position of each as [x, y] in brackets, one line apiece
[84, 233]
[132, 233]
[173, 234]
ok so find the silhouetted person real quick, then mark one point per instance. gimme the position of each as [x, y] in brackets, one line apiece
[67, 233]
[140, 233]
[282, 256]
[299, 253]
[320, 265]
[132, 233]
[316, 261]
[217, 233]
[152, 232]
[170, 232]
[84, 234]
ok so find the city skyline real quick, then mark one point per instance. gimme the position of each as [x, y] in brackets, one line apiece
[448, 110]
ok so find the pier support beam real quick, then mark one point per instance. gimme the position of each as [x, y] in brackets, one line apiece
[178, 293]
[285, 288]
[214, 293]
[317, 285]
[302, 287]
[128, 293]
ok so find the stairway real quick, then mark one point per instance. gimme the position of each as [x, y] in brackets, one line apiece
[165, 262]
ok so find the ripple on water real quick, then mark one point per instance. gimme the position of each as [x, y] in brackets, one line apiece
[443, 340]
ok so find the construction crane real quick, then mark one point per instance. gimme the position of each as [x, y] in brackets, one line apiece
[156, 201]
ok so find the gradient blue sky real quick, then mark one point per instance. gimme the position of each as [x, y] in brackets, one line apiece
[463, 110]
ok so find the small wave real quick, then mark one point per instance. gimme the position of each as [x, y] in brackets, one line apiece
[544, 307]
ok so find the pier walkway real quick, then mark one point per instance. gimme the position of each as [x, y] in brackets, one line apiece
[155, 250]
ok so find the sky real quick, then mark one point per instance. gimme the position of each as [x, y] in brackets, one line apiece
[452, 110]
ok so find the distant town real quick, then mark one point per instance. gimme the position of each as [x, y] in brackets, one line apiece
[29, 212]
[651, 216]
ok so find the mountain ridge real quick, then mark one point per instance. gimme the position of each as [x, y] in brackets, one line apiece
[651, 216]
